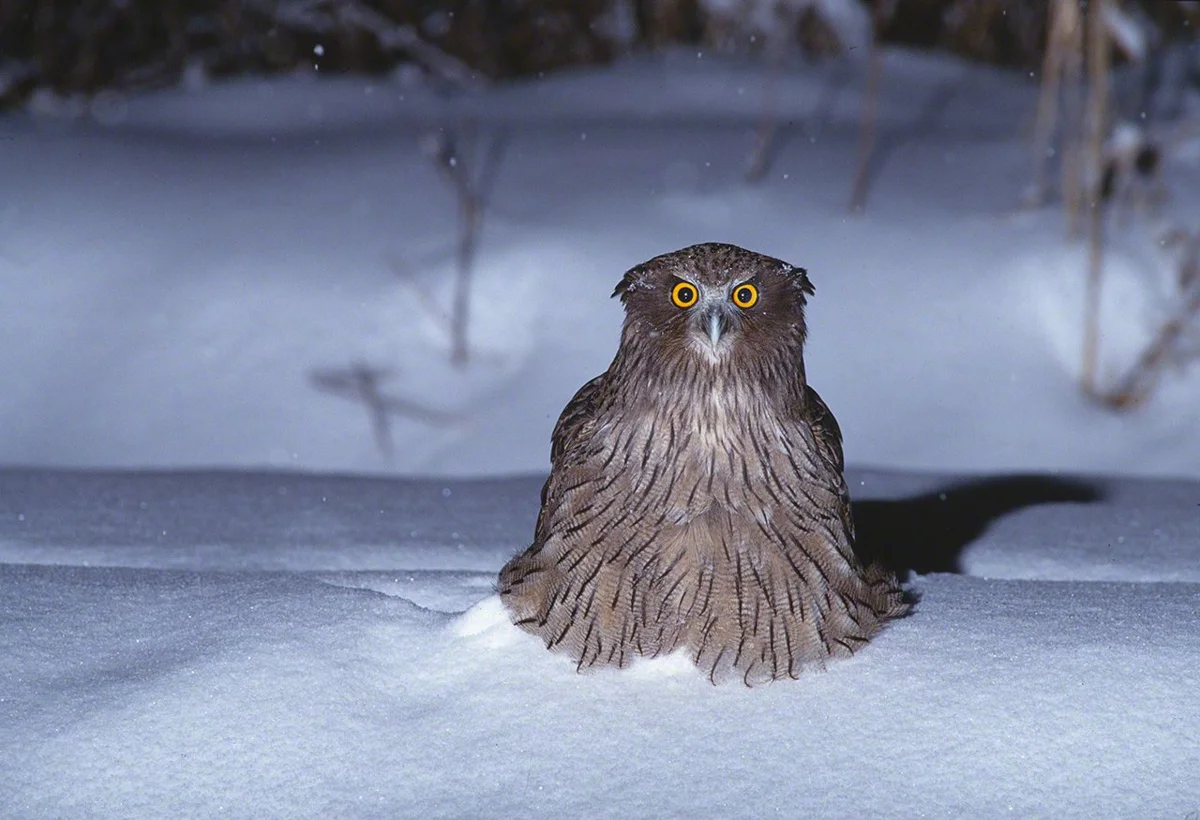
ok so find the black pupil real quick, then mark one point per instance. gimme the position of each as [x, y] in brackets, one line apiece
[686, 295]
[744, 295]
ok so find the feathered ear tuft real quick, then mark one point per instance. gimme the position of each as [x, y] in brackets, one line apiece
[799, 278]
[633, 281]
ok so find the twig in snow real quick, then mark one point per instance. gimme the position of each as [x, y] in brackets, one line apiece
[1073, 155]
[866, 132]
[424, 300]
[768, 126]
[882, 148]
[1098, 64]
[1077, 30]
[453, 152]
[1060, 60]
[361, 382]
[1169, 343]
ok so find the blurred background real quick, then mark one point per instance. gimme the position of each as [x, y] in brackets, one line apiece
[87, 47]
[380, 235]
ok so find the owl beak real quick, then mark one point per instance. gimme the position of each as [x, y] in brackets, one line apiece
[715, 325]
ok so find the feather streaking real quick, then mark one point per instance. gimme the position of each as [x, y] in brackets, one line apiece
[696, 499]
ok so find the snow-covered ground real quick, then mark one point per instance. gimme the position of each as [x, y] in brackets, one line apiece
[224, 640]
[231, 644]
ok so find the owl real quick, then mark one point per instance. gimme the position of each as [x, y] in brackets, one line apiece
[696, 500]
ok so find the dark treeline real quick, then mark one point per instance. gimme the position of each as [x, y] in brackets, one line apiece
[84, 46]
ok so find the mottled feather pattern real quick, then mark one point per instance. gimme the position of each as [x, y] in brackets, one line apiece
[696, 499]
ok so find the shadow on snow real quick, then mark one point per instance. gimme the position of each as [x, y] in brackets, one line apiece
[928, 533]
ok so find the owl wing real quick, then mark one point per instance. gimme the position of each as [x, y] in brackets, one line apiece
[576, 417]
[825, 429]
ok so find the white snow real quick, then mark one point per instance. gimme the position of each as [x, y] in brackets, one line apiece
[160, 660]
[189, 629]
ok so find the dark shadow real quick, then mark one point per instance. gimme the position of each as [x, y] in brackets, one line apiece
[928, 533]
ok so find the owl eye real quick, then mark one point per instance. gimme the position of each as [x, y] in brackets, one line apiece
[684, 295]
[745, 296]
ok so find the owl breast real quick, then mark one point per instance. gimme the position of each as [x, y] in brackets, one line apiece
[704, 455]
[705, 527]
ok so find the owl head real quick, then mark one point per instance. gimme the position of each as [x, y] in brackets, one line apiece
[713, 299]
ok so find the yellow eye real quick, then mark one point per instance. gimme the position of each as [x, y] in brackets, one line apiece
[745, 296]
[684, 295]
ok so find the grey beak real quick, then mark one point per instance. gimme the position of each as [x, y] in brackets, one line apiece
[716, 325]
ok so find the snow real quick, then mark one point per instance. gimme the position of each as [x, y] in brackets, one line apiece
[290, 646]
[217, 597]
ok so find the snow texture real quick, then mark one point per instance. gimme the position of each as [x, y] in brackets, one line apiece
[249, 645]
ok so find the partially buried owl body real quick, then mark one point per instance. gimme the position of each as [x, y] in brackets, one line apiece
[696, 500]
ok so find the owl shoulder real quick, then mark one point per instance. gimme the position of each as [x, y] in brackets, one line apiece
[576, 418]
[825, 428]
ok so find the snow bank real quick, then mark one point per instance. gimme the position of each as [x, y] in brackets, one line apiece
[148, 691]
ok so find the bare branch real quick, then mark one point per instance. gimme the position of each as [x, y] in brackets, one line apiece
[1064, 16]
[1142, 378]
[361, 383]
[768, 125]
[1072, 165]
[453, 152]
[1170, 344]
[866, 132]
[392, 35]
[424, 299]
[1098, 64]
[326, 16]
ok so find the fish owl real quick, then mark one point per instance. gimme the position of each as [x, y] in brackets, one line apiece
[696, 500]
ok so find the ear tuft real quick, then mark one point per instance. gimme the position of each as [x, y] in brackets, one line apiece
[633, 281]
[799, 279]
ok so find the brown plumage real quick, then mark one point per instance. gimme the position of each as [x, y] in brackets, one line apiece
[696, 498]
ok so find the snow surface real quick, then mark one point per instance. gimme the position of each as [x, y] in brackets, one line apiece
[209, 641]
[177, 267]
[250, 645]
